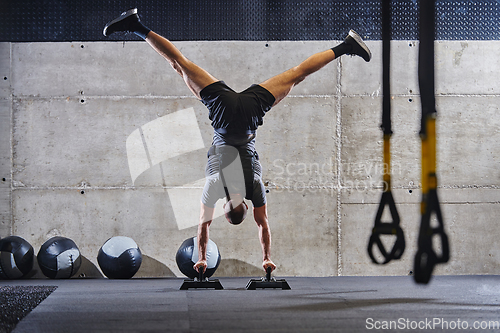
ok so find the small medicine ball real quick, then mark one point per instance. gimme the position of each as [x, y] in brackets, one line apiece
[59, 258]
[187, 256]
[119, 258]
[16, 257]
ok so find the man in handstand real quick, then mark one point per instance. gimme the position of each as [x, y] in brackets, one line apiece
[235, 118]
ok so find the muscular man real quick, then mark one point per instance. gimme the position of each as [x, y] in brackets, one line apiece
[235, 118]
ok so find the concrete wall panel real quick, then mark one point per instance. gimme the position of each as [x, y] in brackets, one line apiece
[362, 142]
[5, 141]
[467, 67]
[67, 142]
[461, 68]
[360, 78]
[469, 141]
[297, 144]
[5, 168]
[134, 69]
[5, 73]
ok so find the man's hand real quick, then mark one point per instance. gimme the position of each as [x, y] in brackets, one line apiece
[200, 264]
[268, 263]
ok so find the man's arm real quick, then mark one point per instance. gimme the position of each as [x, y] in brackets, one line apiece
[260, 215]
[206, 216]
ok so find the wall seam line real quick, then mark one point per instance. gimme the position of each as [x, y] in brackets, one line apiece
[338, 160]
[11, 138]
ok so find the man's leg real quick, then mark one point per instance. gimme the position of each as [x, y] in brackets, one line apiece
[280, 85]
[195, 77]
[260, 216]
[206, 217]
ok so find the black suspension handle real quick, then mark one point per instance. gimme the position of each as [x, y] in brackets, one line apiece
[426, 257]
[387, 228]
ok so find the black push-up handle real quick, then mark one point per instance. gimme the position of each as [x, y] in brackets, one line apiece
[201, 282]
[268, 282]
[387, 228]
[268, 273]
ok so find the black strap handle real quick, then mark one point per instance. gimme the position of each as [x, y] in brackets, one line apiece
[426, 257]
[387, 228]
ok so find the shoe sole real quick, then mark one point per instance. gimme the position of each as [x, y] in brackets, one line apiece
[354, 35]
[123, 16]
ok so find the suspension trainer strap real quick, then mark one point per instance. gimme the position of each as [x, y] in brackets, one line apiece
[386, 228]
[386, 67]
[426, 257]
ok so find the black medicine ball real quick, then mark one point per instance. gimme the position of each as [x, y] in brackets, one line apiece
[119, 258]
[59, 258]
[16, 257]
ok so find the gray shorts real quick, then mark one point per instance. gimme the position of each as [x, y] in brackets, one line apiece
[250, 169]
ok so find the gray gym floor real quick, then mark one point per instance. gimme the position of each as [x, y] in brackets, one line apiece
[334, 304]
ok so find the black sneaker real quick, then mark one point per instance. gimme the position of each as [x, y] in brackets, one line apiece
[124, 22]
[359, 48]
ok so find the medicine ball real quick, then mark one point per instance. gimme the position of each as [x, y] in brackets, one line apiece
[16, 257]
[59, 258]
[119, 258]
[187, 256]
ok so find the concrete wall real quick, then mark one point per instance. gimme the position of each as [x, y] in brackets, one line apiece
[67, 110]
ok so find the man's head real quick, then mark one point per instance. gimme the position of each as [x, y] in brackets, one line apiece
[235, 214]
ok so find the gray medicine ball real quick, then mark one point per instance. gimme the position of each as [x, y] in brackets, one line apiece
[119, 258]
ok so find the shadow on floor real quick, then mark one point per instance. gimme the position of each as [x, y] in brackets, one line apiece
[151, 267]
[237, 268]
